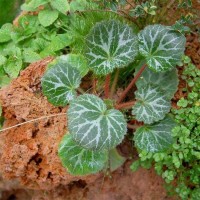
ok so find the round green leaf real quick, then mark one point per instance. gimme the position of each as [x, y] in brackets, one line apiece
[152, 104]
[110, 45]
[61, 5]
[156, 137]
[167, 81]
[77, 61]
[161, 46]
[59, 83]
[80, 161]
[5, 34]
[58, 42]
[93, 126]
[13, 66]
[47, 17]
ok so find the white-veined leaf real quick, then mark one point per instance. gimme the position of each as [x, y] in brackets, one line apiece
[60, 82]
[80, 161]
[110, 45]
[152, 105]
[94, 126]
[161, 46]
[77, 61]
[167, 81]
[156, 137]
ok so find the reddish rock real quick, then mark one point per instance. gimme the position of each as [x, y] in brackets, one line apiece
[29, 151]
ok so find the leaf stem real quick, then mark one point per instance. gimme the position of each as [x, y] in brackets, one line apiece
[80, 90]
[107, 86]
[114, 84]
[126, 105]
[132, 83]
[133, 127]
[132, 6]
[32, 120]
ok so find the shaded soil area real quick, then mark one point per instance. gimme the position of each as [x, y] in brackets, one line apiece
[30, 167]
[122, 185]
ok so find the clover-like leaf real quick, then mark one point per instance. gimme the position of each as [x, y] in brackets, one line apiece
[156, 137]
[161, 46]
[110, 44]
[60, 5]
[94, 126]
[76, 60]
[5, 33]
[80, 161]
[59, 83]
[167, 81]
[152, 104]
[47, 17]
[58, 42]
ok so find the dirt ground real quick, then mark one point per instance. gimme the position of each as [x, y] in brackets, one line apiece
[30, 167]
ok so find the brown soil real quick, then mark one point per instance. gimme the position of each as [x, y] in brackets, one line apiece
[122, 185]
[193, 48]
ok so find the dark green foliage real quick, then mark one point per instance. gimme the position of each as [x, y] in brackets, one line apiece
[9, 10]
[36, 36]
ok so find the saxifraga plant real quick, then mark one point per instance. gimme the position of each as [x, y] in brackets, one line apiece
[97, 122]
[179, 165]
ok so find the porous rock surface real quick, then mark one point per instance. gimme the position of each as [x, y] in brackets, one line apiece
[28, 153]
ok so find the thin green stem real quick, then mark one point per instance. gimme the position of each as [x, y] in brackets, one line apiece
[114, 84]
[132, 83]
[80, 90]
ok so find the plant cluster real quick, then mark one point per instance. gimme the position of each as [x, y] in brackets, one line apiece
[9, 11]
[180, 164]
[40, 33]
[97, 122]
[47, 27]
[99, 38]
